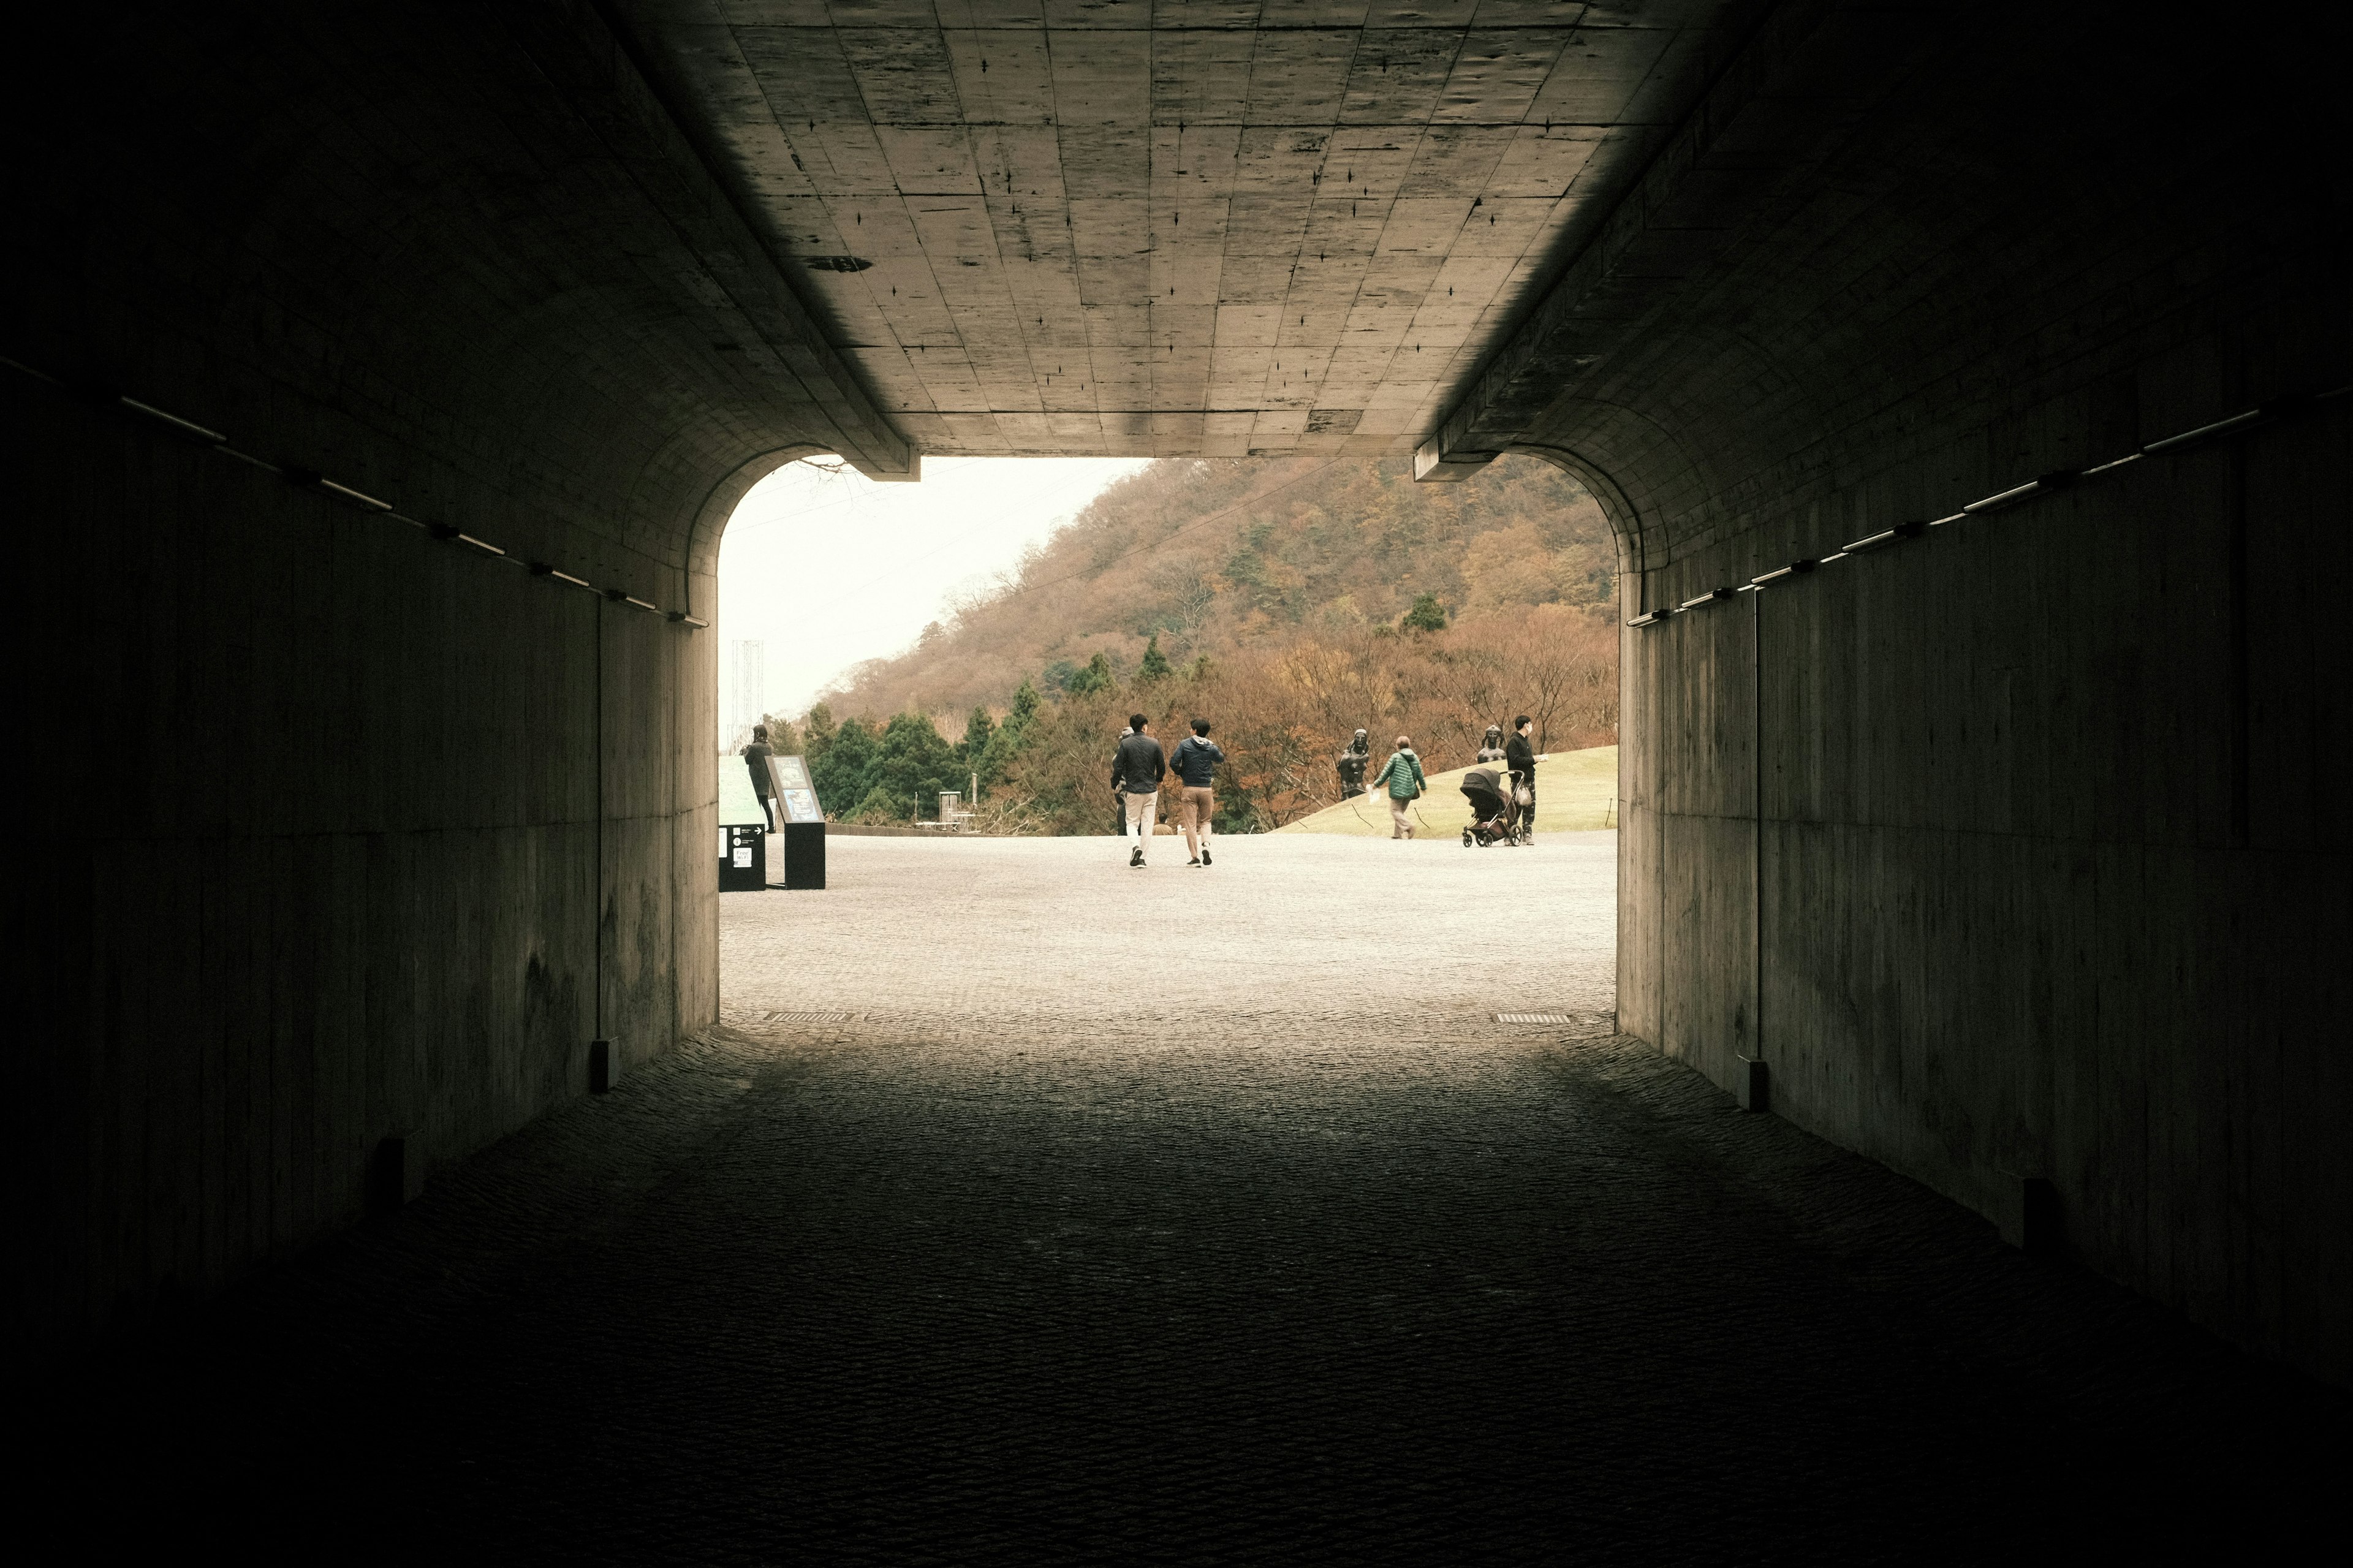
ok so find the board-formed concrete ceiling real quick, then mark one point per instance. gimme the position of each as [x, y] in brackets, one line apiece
[1163, 227]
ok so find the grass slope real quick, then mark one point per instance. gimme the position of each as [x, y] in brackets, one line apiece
[1575, 789]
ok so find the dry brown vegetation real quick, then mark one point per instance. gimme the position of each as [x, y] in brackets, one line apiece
[1274, 590]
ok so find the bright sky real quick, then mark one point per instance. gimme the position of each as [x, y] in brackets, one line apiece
[830, 568]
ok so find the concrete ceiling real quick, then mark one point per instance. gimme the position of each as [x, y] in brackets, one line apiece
[1163, 227]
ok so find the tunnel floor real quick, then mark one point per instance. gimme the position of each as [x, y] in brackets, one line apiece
[1179, 1215]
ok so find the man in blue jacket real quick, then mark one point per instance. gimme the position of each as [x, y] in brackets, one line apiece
[1195, 767]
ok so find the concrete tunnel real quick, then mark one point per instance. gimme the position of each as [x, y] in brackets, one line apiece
[1968, 396]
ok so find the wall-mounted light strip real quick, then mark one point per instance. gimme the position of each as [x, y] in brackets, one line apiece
[1901, 530]
[2047, 483]
[2044, 485]
[186, 427]
[2204, 432]
[312, 480]
[541, 569]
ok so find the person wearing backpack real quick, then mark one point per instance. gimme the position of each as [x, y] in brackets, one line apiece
[1402, 776]
[1194, 764]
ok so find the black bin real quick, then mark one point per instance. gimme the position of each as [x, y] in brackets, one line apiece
[804, 854]
[742, 857]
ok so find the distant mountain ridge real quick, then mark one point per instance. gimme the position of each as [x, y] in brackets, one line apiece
[1211, 557]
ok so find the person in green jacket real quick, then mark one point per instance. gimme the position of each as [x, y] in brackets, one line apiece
[1402, 775]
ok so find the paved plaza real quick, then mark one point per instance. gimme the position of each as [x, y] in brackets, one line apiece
[1030, 1208]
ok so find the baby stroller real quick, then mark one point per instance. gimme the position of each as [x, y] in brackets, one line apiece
[1495, 817]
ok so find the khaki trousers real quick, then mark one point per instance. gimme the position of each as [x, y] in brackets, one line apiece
[1145, 810]
[1401, 825]
[1196, 805]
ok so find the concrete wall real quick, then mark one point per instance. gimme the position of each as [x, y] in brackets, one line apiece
[2049, 883]
[337, 831]
[317, 851]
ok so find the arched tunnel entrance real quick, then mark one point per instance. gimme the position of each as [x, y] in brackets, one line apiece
[378, 383]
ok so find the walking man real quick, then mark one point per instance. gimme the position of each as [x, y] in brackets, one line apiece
[1520, 757]
[1136, 772]
[1401, 775]
[755, 758]
[1195, 767]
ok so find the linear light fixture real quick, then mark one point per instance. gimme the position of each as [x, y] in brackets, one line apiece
[541, 569]
[1792, 569]
[2219, 427]
[186, 426]
[1885, 536]
[449, 535]
[2057, 480]
[349, 494]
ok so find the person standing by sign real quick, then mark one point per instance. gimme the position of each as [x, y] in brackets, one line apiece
[1195, 767]
[755, 758]
[1401, 775]
[1520, 757]
[1136, 773]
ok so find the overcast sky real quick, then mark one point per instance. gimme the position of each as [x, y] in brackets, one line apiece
[826, 569]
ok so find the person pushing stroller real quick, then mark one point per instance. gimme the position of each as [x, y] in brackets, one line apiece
[1520, 760]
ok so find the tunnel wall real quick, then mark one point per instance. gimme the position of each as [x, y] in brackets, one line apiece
[2009, 848]
[339, 827]
[319, 855]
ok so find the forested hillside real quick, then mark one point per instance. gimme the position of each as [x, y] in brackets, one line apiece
[1211, 555]
[1289, 603]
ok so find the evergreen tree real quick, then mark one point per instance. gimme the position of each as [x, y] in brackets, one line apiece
[1155, 663]
[911, 766]
[817, 731]
[977, 729]
[1095, 677]
[840, 772]
[1006, 744]
[783, 739]
[1427, 615]
[1025, 707]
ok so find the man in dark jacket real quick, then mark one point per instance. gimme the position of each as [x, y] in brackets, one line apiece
[1195, 767]
[1520, 758]
[755, 758]
[1135, 772]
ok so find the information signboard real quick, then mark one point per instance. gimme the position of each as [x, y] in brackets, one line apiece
[791, 776]
[803, 822]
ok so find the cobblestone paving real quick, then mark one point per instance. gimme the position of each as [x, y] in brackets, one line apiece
[1181, 1216]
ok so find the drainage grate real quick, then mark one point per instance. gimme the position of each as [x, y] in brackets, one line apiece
[806, 1018]
[1546, 1018]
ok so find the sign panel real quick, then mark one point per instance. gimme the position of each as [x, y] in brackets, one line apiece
[794, 789]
